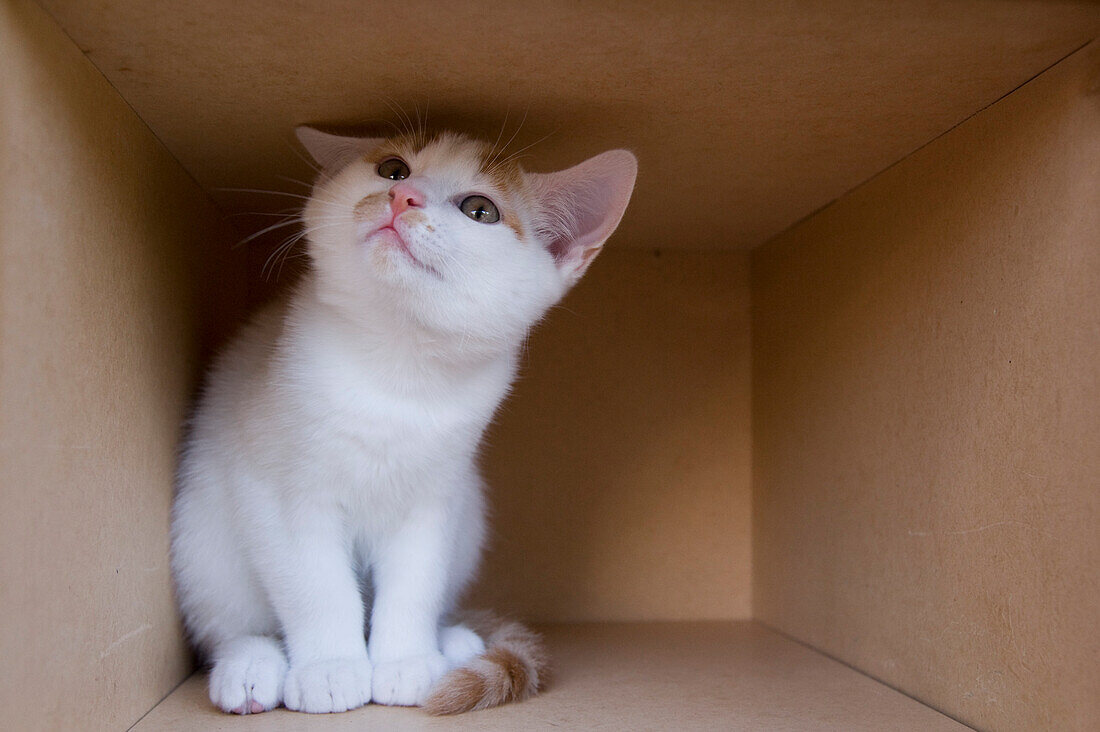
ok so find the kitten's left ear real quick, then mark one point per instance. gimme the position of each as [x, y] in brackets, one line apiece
[580, 207]
[333, 152]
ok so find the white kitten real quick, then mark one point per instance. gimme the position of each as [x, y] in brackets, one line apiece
[330, 469]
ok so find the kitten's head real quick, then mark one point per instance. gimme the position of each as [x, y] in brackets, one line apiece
[451, 237]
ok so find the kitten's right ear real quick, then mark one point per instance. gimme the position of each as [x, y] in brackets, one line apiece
[333, 152]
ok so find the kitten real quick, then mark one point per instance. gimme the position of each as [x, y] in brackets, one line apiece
[330, 468]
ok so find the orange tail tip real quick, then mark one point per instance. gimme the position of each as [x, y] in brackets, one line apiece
[513, 668]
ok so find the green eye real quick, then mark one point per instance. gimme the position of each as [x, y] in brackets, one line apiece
[394, 169]
[480, 209]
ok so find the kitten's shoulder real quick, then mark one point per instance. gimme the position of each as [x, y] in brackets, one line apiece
[251, 350]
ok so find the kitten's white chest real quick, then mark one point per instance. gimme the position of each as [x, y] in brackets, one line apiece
[386, 438]
[374, 439]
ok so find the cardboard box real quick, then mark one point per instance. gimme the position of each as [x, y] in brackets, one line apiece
[815, 444]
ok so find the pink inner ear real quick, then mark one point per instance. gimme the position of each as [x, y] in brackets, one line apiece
[559, 247]
[584, 204]
[593, 202]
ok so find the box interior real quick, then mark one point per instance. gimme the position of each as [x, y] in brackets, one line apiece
[833, 382]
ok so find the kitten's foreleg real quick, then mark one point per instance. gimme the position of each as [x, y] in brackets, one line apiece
[410, 576]
[312, 585]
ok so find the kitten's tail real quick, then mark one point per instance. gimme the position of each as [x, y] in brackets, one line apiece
[513, 667]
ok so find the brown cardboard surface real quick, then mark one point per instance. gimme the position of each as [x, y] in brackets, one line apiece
[746, 115]
[99, 336]
[619, 467]
[925, 439]
[926, 368]
[696, 676]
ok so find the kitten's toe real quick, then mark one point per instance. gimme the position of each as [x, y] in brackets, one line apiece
[407, 682]
[460, 645]
[247, 677]
[335, 685]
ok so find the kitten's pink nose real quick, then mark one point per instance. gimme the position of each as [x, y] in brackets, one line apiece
[404, 196]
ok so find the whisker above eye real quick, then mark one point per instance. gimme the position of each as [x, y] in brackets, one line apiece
[503, 126]
[523, 149]
[377, 121]
[402, 115]
[426, 103]
[492, 163]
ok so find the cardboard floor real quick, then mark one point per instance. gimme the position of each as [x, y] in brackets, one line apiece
[633, 676]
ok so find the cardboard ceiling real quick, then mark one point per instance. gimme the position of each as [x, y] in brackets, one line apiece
[746, 116]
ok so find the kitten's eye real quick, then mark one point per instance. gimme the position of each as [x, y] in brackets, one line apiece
[480, 209]
[394, 169]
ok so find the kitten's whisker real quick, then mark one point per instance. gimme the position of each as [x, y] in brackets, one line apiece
[426, 103]
[262, 190]
[396, 129]
[393, 110]
[265, 270]
[296, 213]
[288, 179]
[285, 248]
[282, 260]
[408, 118]
[503, 126]
[403, 117]
[513, 137]
[517, 153]
[263, 231]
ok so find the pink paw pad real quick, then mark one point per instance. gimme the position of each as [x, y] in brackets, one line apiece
[257, 707]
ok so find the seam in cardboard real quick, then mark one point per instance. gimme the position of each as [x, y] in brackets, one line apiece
[861, 672]
[160, 701]
[917, 149]
[124, 100]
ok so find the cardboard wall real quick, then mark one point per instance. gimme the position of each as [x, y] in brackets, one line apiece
[100, 323]
[926, 367]
[619, 467]
[923, 436]
[764, 111]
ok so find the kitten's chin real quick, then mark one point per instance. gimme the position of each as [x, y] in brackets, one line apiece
[390, 250]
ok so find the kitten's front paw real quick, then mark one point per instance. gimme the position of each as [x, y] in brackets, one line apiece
[247, 677]
[407, 682]
[335, 685]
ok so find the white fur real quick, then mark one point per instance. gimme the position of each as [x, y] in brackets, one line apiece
[460, 645]
[330, 467]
